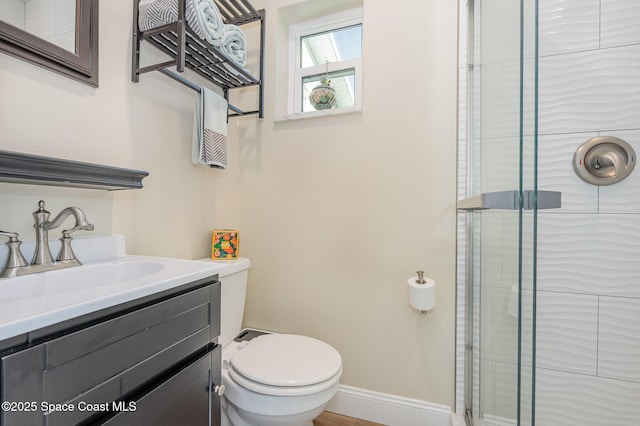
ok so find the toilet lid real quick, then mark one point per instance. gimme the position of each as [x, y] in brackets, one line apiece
[287, 360]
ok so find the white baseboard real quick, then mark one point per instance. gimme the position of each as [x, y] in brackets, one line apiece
[388, 409]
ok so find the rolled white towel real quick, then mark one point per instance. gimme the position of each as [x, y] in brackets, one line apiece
[202, 16]
[234, 44]
[209, 19]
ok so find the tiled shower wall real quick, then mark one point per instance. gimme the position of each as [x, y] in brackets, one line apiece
[52, 20]
[588, 275]
[588, 325]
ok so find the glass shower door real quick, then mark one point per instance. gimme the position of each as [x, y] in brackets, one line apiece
[502, 209]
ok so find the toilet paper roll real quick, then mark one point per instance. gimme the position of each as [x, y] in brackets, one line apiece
[422, 296]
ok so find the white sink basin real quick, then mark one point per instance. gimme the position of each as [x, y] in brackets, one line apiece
[34, 301]
[83, 278]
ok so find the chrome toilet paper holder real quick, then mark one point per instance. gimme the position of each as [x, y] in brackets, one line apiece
[604, 160]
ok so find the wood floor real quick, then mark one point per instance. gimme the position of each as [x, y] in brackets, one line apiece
[332, 419]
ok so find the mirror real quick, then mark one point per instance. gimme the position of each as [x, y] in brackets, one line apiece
[60, 35]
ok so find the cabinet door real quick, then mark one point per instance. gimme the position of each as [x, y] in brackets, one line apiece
[216, 380]
[183, 399]
[123, 354]
[21, 387]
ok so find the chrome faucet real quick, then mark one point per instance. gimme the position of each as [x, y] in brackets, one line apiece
[42, 258]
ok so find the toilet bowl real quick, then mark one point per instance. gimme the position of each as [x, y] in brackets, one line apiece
[270, 378]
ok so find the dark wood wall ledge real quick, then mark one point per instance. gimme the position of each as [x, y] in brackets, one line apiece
[16, 167]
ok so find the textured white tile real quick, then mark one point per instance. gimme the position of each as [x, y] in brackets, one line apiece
[462, 218]
[517, 241]
[485, 388]
[590, 91]
[490, 258]
[460, 362]
[477, 78]
[493, 333]
[65, 40]
[526, 331]
[529, 94]
[12, 12]
[510, 250]
[461, 299]
[555, 172]
[567, 399]
[623, 196]
[490, 88]
[499, 98]
[581, 92]
[477, 35]
[528, 233]
[568, 26]
[498, 390]
[506, 391]
[475, 403]
[528, 164]
[462, 169]
[483, 317]
[499, 239]
[529, 28]
[492, 420]
[619, 338]
[619, 24]
[463, 48]
[589, 254]
[500, 167]
[499, 329]
[526, 396]
[65, 16]
[567, 332]
[462, 103]
[40, 18]
[500, 24]
[511, 91]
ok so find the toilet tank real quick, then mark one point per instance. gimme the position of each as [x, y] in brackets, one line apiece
[233, 280]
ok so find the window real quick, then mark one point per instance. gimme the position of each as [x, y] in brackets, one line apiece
[331, 47]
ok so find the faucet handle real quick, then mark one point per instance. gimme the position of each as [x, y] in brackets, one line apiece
[66, 252]
[67, 232]
[15, 259]
[13, 236]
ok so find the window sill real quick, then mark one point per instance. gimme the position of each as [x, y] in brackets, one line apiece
[317, 114]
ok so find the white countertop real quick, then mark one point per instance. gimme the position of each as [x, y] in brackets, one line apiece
[109, 277]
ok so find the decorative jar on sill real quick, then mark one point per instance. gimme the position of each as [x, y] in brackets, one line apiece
[323, 96]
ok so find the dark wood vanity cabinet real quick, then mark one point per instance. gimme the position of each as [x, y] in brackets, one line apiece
[151, 361]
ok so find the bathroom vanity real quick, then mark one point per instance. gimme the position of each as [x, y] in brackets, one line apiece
[131, 348]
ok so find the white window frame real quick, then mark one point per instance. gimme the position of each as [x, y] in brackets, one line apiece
[296, 73]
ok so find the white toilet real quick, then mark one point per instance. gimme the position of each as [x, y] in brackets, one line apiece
[271, 379]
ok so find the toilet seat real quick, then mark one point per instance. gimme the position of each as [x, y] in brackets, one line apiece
[285, 365]
[283, 390]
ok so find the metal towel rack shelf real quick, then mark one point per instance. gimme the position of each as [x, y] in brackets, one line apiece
[188, 50]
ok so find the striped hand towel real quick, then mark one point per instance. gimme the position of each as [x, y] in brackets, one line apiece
[210, 130]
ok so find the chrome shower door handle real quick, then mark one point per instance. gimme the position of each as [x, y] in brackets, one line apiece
[510, 200]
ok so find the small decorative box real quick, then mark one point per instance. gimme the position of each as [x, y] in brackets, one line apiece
[225, 244]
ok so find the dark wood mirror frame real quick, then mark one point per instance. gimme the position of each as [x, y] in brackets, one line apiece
[81, 65]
